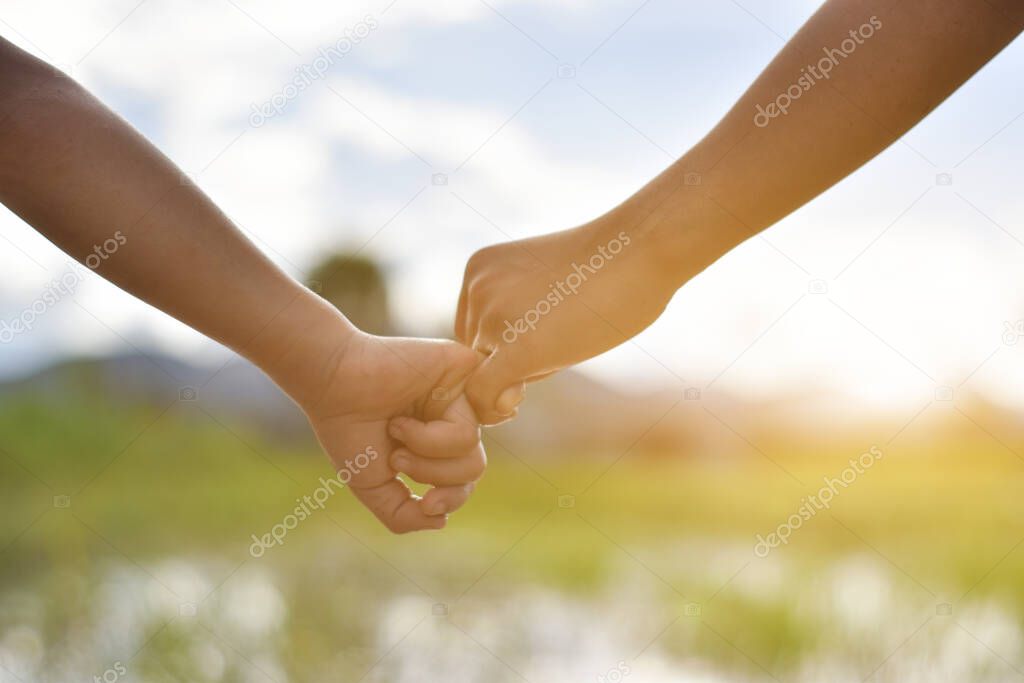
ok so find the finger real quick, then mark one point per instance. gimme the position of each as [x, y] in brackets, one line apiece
[440, 471]
[539, 376]
[461, 412]
[460, 361]
[476, 338]
[461, 314]
[510, 398]
[445, 499]
[397, 508]
[437, 439]
[487, 383]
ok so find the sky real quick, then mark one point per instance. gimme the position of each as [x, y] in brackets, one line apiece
[901, 284]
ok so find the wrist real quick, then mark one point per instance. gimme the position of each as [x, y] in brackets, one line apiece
[677, 229]
[302, 345]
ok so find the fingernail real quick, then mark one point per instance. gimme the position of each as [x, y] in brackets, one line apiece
[395, 429]
[436, 509]
[400, 462]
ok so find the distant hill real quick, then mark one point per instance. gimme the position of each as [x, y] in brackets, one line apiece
[569, 408]
[569, 413]
[236, 391]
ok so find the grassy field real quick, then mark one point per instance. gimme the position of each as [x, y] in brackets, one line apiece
[651, 549]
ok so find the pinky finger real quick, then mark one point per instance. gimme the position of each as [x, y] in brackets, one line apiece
[397, 508]
[443, 500]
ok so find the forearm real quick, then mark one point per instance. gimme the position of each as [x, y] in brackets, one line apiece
[82, 176]
[759, 164]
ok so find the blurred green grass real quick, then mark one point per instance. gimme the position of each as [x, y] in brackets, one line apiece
[146, 485]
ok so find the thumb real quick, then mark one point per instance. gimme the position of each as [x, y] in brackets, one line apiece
[495, 388]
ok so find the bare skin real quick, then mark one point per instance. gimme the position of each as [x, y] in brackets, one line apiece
[77, 173]
[739, 180]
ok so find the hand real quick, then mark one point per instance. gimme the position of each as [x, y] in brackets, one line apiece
[376, 380]
[538, 305]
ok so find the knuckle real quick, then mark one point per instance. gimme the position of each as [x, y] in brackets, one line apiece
[481, 258]
[463, 358]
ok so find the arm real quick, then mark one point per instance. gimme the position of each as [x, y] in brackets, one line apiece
[79, 174]
[900, 61]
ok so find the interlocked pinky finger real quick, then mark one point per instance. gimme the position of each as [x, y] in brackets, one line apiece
[394, 505]
[445, 499]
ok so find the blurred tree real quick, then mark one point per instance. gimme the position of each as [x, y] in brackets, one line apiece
[355, 284]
